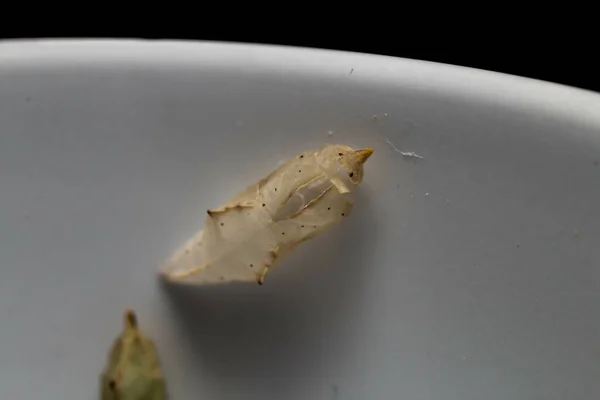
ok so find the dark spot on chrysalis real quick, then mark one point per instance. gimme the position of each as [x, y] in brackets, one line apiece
[351, 174]
[275, 189]
[329, 208]
[343, 214]
[299, 170]
[222, 223]
[302, 226]
[340, 154]
[260, 282]
[301, 155]
[314, 226]
[112, 385]
[222, 278]
[283, 233]
[264, 204]
[251, 265]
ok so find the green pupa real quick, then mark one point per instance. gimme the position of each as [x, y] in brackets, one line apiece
[133, 370]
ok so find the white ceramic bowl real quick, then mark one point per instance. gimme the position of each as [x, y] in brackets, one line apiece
[473, 273]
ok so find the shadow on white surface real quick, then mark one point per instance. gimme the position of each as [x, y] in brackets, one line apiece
[254, 332]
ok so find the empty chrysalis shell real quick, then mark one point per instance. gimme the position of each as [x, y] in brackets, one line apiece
[245, 237]
[133, 370]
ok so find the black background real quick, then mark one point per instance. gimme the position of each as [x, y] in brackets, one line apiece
[551, 55]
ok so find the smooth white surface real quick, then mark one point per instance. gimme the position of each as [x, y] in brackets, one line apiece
[470, 274]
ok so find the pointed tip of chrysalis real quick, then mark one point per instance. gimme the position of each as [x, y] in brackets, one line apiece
[362, 155]
[130, 319]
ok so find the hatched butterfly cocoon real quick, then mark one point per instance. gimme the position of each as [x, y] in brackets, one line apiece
[251, 233]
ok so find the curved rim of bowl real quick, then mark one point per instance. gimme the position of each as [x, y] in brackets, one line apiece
[292, 62]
